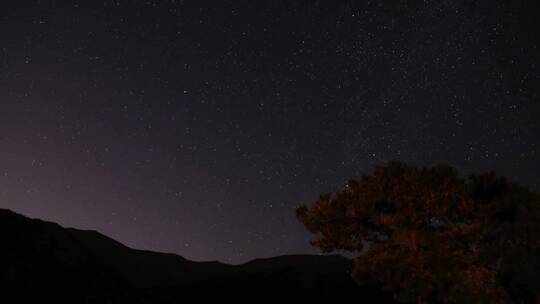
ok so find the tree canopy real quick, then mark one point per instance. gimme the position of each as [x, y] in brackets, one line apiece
[430, 235]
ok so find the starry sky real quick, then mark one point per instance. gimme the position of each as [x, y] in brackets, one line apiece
[197, 127]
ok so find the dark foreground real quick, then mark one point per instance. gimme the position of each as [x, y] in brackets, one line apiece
[43, 262]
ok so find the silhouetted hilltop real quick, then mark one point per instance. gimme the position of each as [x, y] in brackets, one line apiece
[43, 261]
[146, 269]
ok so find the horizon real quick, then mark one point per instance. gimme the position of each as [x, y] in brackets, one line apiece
[343, 255]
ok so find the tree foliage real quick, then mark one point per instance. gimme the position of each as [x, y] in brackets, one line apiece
[429, 235]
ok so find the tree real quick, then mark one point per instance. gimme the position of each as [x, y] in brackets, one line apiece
[428, 235]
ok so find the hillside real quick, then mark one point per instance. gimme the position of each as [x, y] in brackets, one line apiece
[42, 261]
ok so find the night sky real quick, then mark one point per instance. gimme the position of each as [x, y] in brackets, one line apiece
[197, 127]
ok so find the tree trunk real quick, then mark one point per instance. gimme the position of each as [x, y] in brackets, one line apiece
[414, 246]
[414, 241]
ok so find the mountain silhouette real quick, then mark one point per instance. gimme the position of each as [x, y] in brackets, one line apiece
[43, 262]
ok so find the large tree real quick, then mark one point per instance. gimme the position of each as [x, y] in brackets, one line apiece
[429, 235]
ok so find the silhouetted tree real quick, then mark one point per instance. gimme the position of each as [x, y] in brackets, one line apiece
[429, 235]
